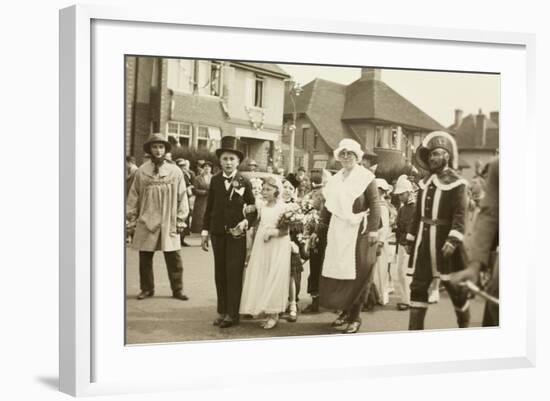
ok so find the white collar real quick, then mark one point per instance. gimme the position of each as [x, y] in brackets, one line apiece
[229, 176]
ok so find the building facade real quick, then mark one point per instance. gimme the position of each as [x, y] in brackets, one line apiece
[367, 110]
[196, 102]
[477, 138]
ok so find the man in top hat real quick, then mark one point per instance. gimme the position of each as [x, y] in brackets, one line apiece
[156, 210]
[229, 212]
[437, 230]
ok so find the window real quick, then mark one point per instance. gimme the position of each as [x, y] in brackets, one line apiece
[395, 138]
[259, 91]
[180, 75]
[315, 140]
[305, 134]
[203, 138]
[179, 133]
[215, 79]
[379, 137]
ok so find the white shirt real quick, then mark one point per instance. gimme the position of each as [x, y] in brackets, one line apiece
[228, 183]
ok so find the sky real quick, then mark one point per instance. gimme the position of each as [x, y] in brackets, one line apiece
[437, 93]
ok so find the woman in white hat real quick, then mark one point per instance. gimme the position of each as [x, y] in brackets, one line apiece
[351, 215]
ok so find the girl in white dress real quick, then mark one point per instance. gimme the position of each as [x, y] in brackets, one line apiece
[267, 275]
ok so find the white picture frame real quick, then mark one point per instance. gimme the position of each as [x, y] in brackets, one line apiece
[90, 364]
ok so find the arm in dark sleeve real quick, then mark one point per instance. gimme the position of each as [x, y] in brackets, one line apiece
[322, 227]
[405, 219]
[373, 204]
[486, 225]
[249, 200]
[456, 235]
[412, 229]
[209, 205]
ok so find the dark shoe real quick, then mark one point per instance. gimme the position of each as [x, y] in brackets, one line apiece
[218, 320]
[145, 294]
[226, 323]
[463, 318]
[340, 320]
[183, 243]
[180, 296]
[416, 318]
[402, 307]
[352, 328]
[313, 307]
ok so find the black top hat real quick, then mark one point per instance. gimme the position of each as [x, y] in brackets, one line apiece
[230, 144]
[154, 138]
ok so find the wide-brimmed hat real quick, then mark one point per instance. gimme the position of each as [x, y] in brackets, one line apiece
[156, 138]
[383, 184]
[434, 140]
[402, 185]
[351, 146]
[230, 144]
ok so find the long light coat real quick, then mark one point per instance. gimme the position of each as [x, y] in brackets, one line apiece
[157, 206]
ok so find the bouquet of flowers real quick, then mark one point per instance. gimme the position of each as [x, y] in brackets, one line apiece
[291, 218]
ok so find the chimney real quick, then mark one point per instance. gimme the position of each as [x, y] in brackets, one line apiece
[458, 118]
[494, 117]
[481, 126]
[369, 74]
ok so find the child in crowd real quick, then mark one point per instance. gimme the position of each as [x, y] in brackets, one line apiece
[404, 191]
[297, 246]
[381, 277]
[267, 276]
[316, 238]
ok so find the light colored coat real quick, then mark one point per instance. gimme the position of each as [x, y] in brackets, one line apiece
[157, 206]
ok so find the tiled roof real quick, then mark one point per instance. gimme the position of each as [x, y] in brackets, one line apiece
[468, 133]
[323, 103]
[375, 100]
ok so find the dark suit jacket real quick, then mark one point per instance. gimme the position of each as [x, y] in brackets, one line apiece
[225, 209]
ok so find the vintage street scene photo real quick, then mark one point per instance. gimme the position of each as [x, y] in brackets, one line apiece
[274, 200]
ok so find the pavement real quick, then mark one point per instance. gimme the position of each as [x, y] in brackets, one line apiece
[163, 319]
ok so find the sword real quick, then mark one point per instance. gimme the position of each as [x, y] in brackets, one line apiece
[478, 291]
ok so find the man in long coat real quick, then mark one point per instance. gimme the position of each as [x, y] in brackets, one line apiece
[156, 210]
[229, 212]
[438, 229]
[483, 253]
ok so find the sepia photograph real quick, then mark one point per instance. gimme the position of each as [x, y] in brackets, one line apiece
[267, 199]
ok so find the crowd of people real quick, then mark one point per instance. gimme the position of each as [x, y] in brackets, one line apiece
[364, 238]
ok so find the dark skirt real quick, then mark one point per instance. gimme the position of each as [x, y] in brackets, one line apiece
[198, 213]
[343, 294]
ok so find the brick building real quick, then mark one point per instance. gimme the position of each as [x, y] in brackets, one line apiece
[196, 102]
[367, 110]
[477, 137]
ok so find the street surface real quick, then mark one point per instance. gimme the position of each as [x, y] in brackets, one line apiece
[162, 319]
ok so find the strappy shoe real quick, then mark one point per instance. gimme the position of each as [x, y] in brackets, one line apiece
[341, 320]
[292, 314]
[270, 323]
[352, 328]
